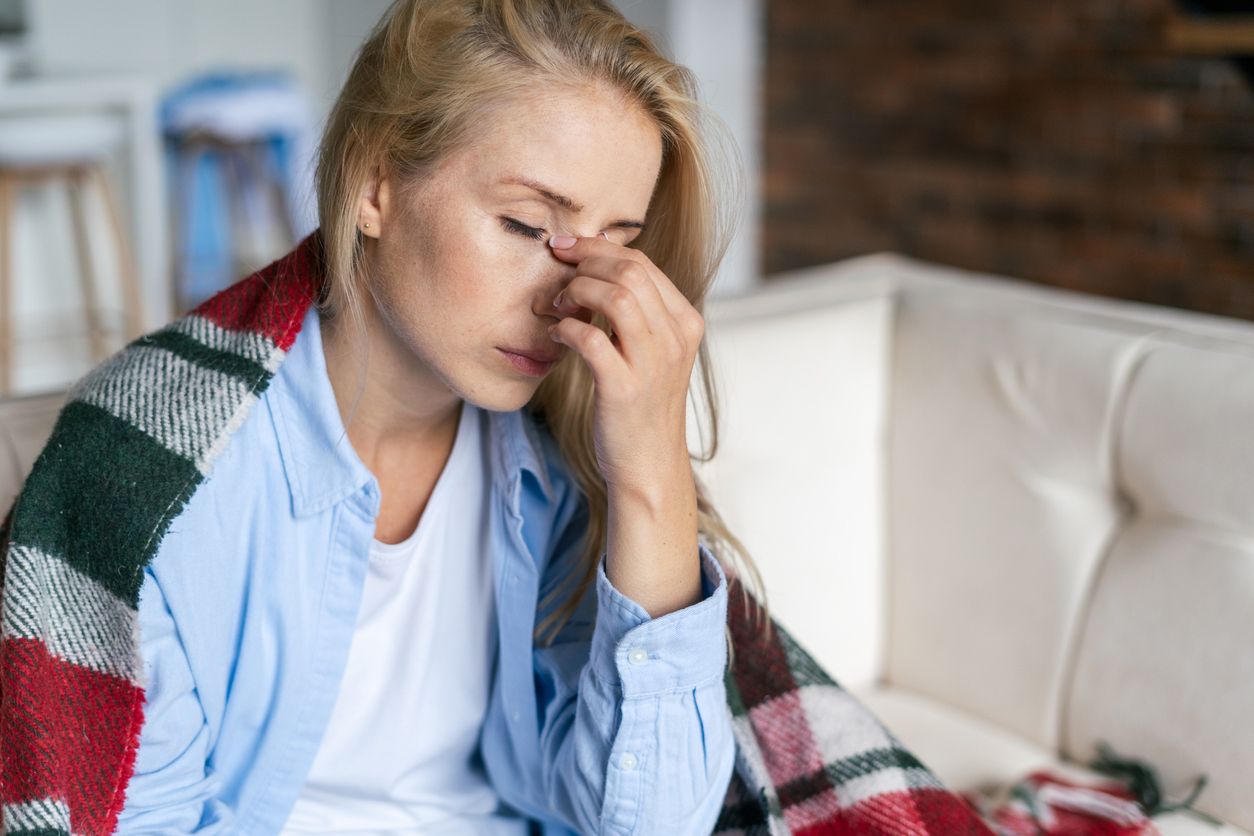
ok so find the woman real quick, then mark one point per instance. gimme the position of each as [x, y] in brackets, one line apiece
[355, 548]
[494, 177]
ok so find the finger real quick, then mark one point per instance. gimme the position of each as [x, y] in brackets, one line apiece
[596, 349]
[583, 248]
[621, 308]
[632, 275]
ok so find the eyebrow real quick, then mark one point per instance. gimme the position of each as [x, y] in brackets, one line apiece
[562, 200]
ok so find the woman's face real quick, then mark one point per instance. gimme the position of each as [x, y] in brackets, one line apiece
[461, 262]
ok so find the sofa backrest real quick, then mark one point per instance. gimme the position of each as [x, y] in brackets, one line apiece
[1068, 503]
[801, 372]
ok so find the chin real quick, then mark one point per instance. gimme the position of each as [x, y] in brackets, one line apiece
[503, 396]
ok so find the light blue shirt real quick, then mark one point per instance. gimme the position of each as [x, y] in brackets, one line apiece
[247, 612]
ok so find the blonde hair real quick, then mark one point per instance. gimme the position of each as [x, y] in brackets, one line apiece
[423, 77]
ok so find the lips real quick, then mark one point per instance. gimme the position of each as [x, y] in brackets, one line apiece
[540, 356]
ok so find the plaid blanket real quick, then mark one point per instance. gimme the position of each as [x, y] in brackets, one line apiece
[135, 439]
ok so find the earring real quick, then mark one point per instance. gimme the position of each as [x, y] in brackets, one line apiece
[367, 226]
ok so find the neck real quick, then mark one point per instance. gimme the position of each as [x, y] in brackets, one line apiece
[392, 406]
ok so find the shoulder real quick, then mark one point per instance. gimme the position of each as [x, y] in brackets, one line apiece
[138, 435]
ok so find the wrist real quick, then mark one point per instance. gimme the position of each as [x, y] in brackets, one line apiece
[662, 491]
[652, 538]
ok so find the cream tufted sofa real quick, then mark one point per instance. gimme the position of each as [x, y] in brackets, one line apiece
[1013, 520]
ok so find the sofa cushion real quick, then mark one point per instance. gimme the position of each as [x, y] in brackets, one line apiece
[966, 752]
[1164, 663]
[1001, 497]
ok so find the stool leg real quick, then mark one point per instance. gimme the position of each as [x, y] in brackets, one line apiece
[85, 267]
[126, 261]
[8, 192]
[264, 168]
[187, 155]
[237, 199]
[278, 191]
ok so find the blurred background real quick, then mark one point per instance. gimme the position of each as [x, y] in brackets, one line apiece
[154, 151]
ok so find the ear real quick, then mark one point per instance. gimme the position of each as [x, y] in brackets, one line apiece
[372, 205]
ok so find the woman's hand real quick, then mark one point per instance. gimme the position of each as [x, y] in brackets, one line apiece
[641, 376]
[642, 371]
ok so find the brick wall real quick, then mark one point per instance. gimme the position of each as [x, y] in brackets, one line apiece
[1061, 142]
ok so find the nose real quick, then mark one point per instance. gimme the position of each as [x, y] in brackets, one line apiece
[544, 309]
[556, 275]
[543, 306]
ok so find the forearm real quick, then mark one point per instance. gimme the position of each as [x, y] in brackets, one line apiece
[651, 548]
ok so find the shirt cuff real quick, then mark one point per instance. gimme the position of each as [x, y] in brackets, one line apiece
[682, 649]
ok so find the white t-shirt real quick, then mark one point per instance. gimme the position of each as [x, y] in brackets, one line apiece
[400, 753]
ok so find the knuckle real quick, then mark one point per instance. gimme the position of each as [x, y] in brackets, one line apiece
[632, 273]
[677, 348]
[587, 334]
[598, 342]
[621, 301]
[639, 257]
[695, 324]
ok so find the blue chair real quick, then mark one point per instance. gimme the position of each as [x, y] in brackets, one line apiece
[238, 148]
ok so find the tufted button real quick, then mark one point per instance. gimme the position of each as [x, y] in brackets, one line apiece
[628, 761]
[638, 656]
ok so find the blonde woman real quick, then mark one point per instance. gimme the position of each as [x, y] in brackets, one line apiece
[399, 534]
[452, 573]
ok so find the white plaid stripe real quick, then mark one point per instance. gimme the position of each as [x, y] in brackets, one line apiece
[77, 619]
[883, 781]
[184, 406]
[248, 344]
[842, 726]
[32, 815]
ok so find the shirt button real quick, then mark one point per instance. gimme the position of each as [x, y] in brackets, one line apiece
[514, 716]
[638, 656]
[628, 761]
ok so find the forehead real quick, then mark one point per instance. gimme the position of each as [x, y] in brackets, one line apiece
[587, 144]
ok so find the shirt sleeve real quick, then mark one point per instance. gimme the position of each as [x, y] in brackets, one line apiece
[637, 734]
[170, 791]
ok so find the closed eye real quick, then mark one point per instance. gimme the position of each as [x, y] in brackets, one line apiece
[522, 229]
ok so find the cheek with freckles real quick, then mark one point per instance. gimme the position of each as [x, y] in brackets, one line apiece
[491, 285]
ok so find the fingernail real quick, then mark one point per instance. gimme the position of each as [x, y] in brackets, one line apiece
[606, 237]
[562, 242]
[557, 300]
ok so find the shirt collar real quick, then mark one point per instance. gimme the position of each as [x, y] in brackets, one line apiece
[319, 461]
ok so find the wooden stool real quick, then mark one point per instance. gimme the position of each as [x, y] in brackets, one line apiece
[72, 150]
